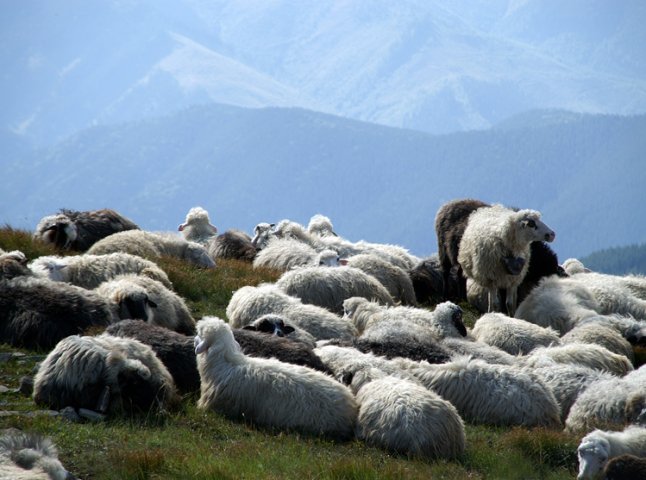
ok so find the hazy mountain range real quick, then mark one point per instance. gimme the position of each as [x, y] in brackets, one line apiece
[436, 66]
[585, 173]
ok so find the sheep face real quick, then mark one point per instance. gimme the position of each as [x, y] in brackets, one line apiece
[452, 313]
[330, 258]
[533, 229]
[57, 230]
[593, 456]
[263, 232]
[270, 324]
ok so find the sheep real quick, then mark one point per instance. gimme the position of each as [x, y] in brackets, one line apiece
[266, 391]
[75, 230]
[109, 374]
[514, 336]
[632, 330]
[599, 334]
[153, 245]
[168, 308]
[89, 271]
[278, 325]
[286, 253]
[495, 248]
[450, 222]
[175, 350]
[465, 346]
[376, 321]
[13, 264]
[572, 266]
[248, 303]
[428, 281]
[615, 294]
[29, 456]
[197, 227]
[321, 226]
[598, 446]
[262, 233]
[491, 394]
[36, 313]
[395, 279]
[586, 354]
[403, 417]
[625, 467]
[232, 244]
[609, 402]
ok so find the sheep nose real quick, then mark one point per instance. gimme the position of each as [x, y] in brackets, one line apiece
[549, 237]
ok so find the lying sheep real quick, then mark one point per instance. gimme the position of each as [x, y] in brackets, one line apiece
[278, 325]
[459, 347]
[625, 467]
[232, 244]
[262, 233]
[428, 282]
[632, 330]
[329, 287]
[29, 456]
[292, 397]
[197, 227]
[36, 313]
[428, 350]
[168, 308]
[585, 354]
[89, 271]
[614, 294]
[403, 417]
[491, 394]
[13, 264]
[176, 351]
[74, 230]
[572, 266]
[286, 253]
[104, 373]
[321, 225]
[450, 222]
[153, 245]
[599, 334]
[395, 279]
[514, 336]
[597, 447]
[495, 249]
[249, 303]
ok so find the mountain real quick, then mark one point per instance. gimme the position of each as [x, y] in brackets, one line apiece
[585, 173]
[437, 66]
[629, 259]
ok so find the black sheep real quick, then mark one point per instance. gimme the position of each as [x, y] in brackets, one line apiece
[625, 467]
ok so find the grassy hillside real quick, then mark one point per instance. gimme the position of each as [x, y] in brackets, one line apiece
[190, 443]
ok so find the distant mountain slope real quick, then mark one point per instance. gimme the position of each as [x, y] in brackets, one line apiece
[586, 174]
[630, 259]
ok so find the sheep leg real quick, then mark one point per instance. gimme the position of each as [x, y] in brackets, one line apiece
[104, 400]
[512, 296]
[493, 300]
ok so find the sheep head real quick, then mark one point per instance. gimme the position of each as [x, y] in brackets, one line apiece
[530, 228]
[593, 456]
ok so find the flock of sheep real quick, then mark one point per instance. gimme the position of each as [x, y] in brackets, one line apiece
[342, 344]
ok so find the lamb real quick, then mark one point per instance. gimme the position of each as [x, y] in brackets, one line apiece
[29, 456]
[36, 313]
[406, 418]
[599, 334]
[450, 222]
[249, 303]
[176, 351]
[428, 281]
[396, 280]
[169, 309]
[197, 227]
[89, 271]
[105, 373]
[278, 325]
[625, 467]
[268, 392]
[491, 394]
[495, 249]
[598, 446]
[514, 336]
[74, 230]
[232, 244]
[586, 354]
[153, 245]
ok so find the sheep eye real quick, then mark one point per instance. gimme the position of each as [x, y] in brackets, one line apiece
[531, 223]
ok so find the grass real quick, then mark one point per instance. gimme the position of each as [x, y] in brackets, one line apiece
[192, 444]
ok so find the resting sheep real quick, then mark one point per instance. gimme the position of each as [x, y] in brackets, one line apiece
[36, 313]
[232, 244]
[286, 253]
[278, 325]
[615, 294]
[197, 227]
[248, 303]
[495, 249]
[428, 282]
[153, 245]
[104, 373]
[321, 225]
[89, 271]
[74, 230]
[625, 467]
[168, 308]
[585, 354]
[459, 347]
[403, 417]
[514, 336]
[599, 334]
[13, 264]
[268, 392]
[29, 456]
[598, 446]
[429, 349]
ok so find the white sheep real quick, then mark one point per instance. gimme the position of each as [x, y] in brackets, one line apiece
[599, 446]
[615, 294]
[512, 335]
[585, 354]
[286, 253]
[467, 346]
[495, 249]
[248, 303]
[572, 266]
[631, 329]
[600, 334]
[491, 394]
[262, 233]
[89, 271]
[197, 227]
[168, 308]
[104, 373]
[321, 225]
[406, 418]
[268, 392]
[153, 245]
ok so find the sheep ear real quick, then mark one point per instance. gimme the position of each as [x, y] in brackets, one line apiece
[200, 346]
[151, 303]
[250, 327]
[287, 329]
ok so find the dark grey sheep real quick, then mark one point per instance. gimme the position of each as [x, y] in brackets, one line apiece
[234, 244]
[625, 467]
[428, 281]
[418, 350]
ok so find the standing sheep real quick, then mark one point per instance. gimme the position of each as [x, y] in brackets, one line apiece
[89, 271]
[495, 249]
[104, 373]
[267, 392]
[74, 230]
[153, 245]
[598, 446]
